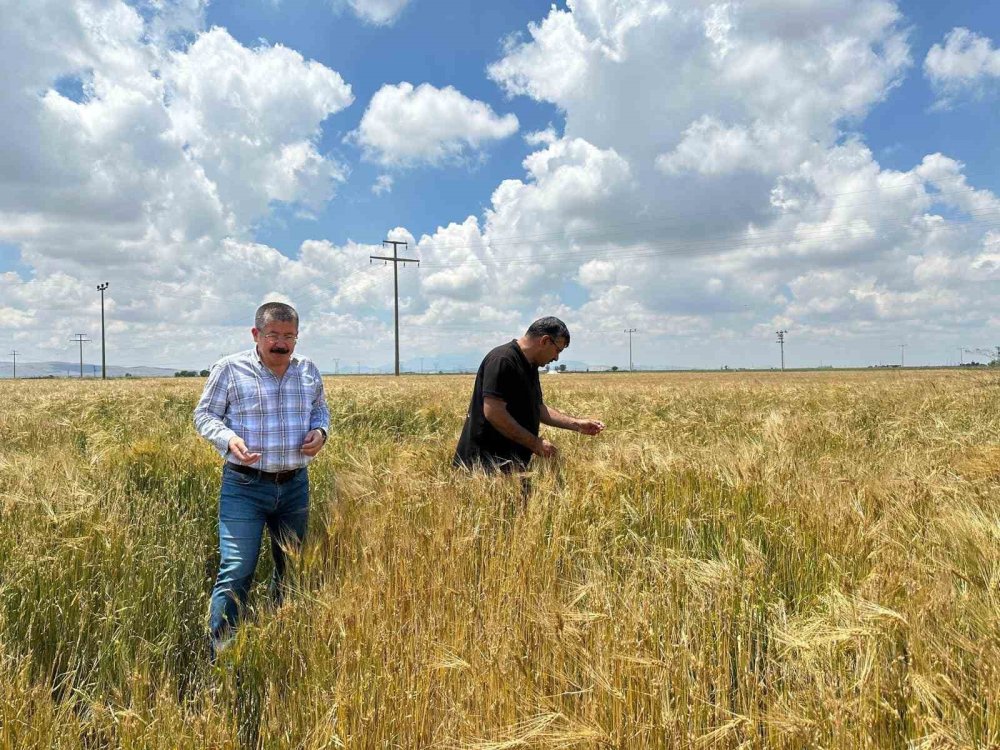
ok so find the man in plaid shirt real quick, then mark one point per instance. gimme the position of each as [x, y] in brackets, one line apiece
[265, 412]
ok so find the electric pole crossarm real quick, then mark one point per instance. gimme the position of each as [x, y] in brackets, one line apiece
[394, 260]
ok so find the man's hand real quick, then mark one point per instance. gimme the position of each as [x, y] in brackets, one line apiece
[589, 426]
[314, 443]
[544, 448]
[239, 449]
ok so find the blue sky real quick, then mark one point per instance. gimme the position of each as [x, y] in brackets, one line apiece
[706, 173]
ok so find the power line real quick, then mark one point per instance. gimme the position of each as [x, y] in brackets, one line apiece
[536, 239]
[657, 221]
[395, 260]
[14, 353]
[781, 342]
[687, 247]
[992, 352]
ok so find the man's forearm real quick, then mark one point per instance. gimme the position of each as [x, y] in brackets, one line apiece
[505, 424]
[214, 430]
[555, 418]
[320, 418]
[320, 415]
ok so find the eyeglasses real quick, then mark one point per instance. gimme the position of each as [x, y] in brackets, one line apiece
[273, 338]
[559, 349]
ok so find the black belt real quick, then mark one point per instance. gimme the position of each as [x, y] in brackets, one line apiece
[277, 477]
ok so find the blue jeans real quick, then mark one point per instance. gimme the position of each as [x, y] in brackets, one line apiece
[247, 504]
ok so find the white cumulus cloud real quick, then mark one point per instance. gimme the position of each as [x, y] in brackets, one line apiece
[250, 118]
[406, 125]
[967, 63]
[378, 12]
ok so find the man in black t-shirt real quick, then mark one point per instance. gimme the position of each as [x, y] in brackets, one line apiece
[501, 428]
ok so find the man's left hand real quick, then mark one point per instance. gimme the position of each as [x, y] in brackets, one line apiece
[589, 426]
[314, 443]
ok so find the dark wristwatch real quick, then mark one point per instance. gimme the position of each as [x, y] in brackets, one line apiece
[323, 432]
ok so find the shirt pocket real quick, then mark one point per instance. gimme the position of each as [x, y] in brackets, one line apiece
[248, 404]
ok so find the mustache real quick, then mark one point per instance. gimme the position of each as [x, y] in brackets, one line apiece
[279, 350]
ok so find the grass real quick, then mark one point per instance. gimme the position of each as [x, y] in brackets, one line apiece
[740, 561]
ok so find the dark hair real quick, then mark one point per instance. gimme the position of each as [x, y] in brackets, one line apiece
[275, 311]
[548, 326]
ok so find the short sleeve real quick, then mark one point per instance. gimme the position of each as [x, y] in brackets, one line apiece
[499, 378]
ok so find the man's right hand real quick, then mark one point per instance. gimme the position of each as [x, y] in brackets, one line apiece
[545, 449]
[239, 449]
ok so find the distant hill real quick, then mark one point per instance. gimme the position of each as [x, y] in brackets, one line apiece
[72, 370]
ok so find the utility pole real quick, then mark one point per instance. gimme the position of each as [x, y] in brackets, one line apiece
[902, 355]
[960, 359]
[14, 353]
[781, 341]
[81, 339]
[395, 260]
[630, 331]
[421, 365]
[336, 366]
[104, 363]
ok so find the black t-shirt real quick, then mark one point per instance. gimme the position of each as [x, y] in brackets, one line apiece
[506, 374]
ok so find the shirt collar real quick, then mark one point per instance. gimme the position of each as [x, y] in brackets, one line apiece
[520, 353]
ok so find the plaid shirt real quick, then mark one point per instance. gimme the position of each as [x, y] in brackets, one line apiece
[244, 398]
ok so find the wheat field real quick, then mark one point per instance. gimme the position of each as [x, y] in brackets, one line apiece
[777, 560]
